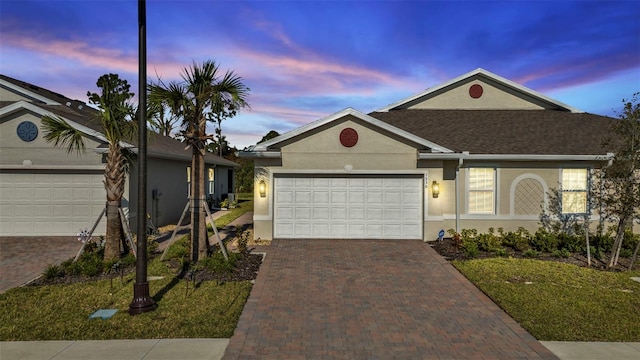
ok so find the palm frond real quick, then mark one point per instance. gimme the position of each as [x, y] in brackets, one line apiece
[58, 131]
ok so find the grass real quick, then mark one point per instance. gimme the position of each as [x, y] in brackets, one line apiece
[561, 302]
[61, 312]
[245, 204]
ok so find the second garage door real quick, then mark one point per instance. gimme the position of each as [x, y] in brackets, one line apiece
[50, 204]
[363, 207]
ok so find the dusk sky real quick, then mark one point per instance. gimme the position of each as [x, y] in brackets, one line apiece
[304, 60]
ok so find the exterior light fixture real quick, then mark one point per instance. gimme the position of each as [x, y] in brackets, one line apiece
[435, 189]
[262, 188]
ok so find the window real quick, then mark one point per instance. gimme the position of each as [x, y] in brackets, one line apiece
[574, 191]
[482, 182]
[211, 183]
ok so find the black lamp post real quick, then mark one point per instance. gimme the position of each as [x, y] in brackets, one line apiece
[142, 302]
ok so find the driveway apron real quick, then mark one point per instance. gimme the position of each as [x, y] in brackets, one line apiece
[371, 299]
[23, 259]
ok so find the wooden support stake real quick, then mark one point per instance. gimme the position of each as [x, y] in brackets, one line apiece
[127, 232]
[215, 230]
[173, 235]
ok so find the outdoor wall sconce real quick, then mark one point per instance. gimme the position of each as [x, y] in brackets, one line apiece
[435, 189]
[262, 188]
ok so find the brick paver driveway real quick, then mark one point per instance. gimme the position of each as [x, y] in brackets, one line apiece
[369, 299]
[23, 259]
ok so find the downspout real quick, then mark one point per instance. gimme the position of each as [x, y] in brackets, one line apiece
[460, 162]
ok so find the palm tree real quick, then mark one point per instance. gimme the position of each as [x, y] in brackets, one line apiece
[115, 112]
[202, 93]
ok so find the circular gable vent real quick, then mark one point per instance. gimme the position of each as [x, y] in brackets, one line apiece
[348, 137]
[475, 91]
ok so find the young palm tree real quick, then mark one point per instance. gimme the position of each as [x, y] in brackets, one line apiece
[115, 112]
[202, 93]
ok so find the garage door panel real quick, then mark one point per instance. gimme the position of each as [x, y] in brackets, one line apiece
[50, 204]
[348, 207]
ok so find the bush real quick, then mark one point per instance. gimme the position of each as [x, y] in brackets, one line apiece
[544, 241]
[243, 239]
[501, 252]
[52, 271]
[564, 253]
[489, 241]
[518, 240]
[470, 248]
[573, 243]
[530, 253]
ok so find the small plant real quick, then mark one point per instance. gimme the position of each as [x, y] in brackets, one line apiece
[455, 236]
[470, 248]
[224, 204]
[217, 263]
[243, 239]
[501, 252]
[564, 253]
[544, 241]
[52, 271]
[530, 253]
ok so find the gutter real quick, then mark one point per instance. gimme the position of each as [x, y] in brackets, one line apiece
[460, 163]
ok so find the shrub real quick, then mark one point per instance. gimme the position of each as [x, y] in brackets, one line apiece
[489, 241]
[501, 252]
[626, 253]
[518, 240]
[544, 241]
[530, 253]
[573, 243]
[564, 253]
[243, 239]
[52, 271]
[470, 248]
[128, 260]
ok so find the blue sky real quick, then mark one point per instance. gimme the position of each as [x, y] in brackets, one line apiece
[304, 60]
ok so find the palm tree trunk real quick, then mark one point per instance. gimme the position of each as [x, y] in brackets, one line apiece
[114, 232]
[114, 180]
[198, 222]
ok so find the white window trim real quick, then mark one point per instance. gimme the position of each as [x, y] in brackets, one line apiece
[588, 171]
[496, 191]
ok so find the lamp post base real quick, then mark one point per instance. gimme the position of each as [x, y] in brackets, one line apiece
[142, 302]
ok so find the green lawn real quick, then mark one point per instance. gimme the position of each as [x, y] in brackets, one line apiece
[61, 312]
[561, 302]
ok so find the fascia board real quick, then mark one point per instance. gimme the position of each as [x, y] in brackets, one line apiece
[487, 74]
[262, 147]
[515, 157]
[260, 155]
[28, 93]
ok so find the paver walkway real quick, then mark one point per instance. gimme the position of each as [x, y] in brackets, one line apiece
[23, 259]
[370, 299]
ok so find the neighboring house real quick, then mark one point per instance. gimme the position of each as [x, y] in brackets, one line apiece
[45, 191]
[478, 151]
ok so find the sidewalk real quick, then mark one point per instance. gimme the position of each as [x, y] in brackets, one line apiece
[153, 349]
[213, 349]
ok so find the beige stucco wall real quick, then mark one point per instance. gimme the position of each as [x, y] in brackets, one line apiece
[14, 151]
[323, 151]
[492, 98]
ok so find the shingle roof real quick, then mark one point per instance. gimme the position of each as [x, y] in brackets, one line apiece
[543, 132]
[158, 146]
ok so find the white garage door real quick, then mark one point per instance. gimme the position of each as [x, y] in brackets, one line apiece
[50, 204]
[348, 207]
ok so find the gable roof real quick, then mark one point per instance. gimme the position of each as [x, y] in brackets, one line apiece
[505, 131]
[385, 126]
[480, 74]
[85, 118]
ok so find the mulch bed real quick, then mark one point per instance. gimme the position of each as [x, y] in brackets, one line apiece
[448, 249]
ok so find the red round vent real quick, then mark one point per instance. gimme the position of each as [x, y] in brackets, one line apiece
[348, 137]
[475, 91]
